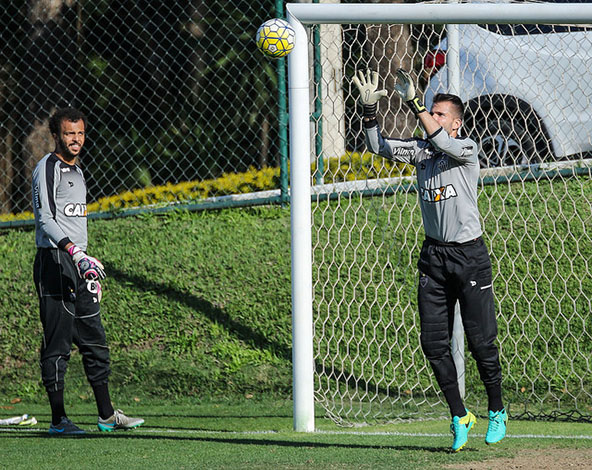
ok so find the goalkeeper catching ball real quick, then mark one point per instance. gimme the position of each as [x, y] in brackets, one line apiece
[454, 263]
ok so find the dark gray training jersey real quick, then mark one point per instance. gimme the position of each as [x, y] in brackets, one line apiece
[59, 204]
[447, 171]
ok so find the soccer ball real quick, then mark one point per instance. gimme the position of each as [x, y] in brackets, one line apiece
[275, 38]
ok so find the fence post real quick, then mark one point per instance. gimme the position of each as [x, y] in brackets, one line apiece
[282, 118]
[458, 334]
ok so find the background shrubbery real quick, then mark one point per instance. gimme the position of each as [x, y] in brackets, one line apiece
[351, 166]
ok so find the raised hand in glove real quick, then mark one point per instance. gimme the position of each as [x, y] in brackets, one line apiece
[369, 95]
[406, 90]
[88, 268]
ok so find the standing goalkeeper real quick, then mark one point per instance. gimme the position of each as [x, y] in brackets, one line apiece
[67, 279]
[454, 263]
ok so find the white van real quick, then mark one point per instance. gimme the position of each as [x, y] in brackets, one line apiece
[527, 90]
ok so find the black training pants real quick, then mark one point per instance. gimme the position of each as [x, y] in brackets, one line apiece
[70, 314]
[447, 273]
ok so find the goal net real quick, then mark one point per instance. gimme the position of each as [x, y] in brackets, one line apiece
[524, 78]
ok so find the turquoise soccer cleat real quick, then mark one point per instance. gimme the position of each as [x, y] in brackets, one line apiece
[118, 421]
[460, 428]
[498, 422]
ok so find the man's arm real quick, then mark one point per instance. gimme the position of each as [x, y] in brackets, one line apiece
[394, 149]
[406, 90]
[44, 204]
[462, 150]
[399, 150]
[427, 121]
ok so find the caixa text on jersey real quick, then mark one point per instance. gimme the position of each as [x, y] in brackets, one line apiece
[437, 194]
[75, 209]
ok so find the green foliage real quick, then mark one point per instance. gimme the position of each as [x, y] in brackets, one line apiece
[359, 166]
[172, 92]
[348, 167]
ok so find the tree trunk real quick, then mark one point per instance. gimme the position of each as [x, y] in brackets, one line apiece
[391, 48]
[48, 73]
[196, 29]
[264, 153]
[6, 136]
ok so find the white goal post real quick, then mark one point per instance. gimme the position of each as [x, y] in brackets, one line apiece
[299, 15]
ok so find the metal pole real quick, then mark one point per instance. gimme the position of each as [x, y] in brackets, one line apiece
[300, 213]
[282, 118]
[458, 334]
[318, 105]
[473, 13]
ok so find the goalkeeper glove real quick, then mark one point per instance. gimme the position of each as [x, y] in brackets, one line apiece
[369, 96]
[88, 268]
[404, 87]
[94, 287]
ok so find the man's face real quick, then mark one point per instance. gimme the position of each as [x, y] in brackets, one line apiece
[445, 114]
[71, 139]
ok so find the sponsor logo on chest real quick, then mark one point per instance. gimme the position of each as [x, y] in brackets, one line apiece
[437, 194]
[75, 210]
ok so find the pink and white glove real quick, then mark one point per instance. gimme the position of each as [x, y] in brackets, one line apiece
[88, 268]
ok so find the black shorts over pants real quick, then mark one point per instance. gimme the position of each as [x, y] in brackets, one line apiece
[449, 272]
[70, 314]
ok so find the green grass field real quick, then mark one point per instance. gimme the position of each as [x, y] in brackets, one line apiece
[197, 310]
[255, 434]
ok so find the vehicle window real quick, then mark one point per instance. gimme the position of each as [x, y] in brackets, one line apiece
[523, 29]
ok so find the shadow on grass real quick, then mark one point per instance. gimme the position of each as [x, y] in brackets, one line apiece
[205, 307]
[241, 331]
[225, 440]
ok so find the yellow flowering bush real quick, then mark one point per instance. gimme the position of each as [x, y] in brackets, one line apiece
[191, 191]
[26, 215]
[358, 166]
[349, 167]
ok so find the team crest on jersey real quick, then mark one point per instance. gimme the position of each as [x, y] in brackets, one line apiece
[438, 194]
[75, 210]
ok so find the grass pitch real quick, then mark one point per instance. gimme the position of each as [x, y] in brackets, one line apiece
[258, 435]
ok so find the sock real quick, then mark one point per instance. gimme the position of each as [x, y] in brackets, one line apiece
[56, 403]
[494, 397]
[455, 403]
[103, 400]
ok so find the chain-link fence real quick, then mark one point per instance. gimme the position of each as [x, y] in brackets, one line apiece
[174, 92]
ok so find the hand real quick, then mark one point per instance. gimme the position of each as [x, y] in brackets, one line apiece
[406, 90]
[369, 96]
[94, 287]
[88, 268]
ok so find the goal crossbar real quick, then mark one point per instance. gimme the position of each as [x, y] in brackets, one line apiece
[485, 13]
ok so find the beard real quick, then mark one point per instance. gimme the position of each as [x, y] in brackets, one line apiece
[64, 151]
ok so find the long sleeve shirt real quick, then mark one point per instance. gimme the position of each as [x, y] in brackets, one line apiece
[447, 171]
[59, 204]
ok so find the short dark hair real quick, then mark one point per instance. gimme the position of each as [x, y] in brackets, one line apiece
[455, 100]
[65, 114]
